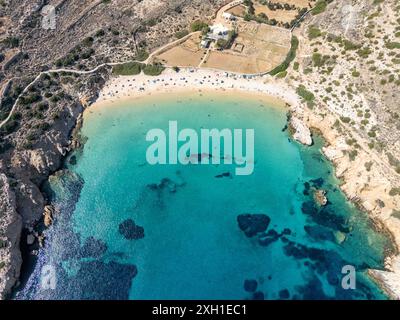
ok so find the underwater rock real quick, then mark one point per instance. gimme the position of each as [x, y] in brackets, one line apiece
[266, 239]
[319, 233]
[287, 232]
[251, 224]
[340, 237]
[332, 279]
[317, 183]
[130, 230]
[313, 290]
[309, 208]
[73, 160]
[165, 183]
[250, 285]
[284, 294]
[225, 174]
[258, 295]
[307, 187]
[93, 248]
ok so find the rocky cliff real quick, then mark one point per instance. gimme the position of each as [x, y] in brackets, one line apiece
[10, 231]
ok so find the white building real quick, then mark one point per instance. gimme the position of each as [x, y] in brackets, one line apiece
[219, 30]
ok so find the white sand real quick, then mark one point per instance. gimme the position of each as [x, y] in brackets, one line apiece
[124, 87]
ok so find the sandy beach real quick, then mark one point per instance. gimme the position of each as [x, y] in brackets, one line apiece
[130, 87]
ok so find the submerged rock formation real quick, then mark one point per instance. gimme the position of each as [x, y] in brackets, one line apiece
[130, 230]
[252, 224]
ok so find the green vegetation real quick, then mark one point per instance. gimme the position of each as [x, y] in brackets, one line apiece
[11, 42]
[181, 34]
[319, 7]
[394, 192]
[314, 32]
[349, 46]
[2, 265]
[345, 119]
[88, 42]
[307, 96]
[289, 58]
[353, 154]
[3, 243]
[31, 98]
[199, 26]
[225, 44]
[396, 213]
[392, 45]
[141, 55]
[394, 162]
[282, 74]
[153, 69]
[76, 54]
[127, 69]
[368, 165]
[318, 59]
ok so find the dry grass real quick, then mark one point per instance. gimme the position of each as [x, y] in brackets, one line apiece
[187, 54]
[265, 47]
[238, 11]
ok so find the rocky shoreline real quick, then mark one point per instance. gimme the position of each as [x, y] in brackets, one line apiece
[22, 174]
[360, 186]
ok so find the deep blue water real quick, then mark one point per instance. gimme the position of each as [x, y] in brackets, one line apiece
[128, 230]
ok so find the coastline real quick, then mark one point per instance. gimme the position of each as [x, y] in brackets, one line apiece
[359, 186]
[194, 81]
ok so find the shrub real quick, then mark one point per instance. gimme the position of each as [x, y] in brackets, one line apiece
[141, 55]
[394, 192]
[314, 32]
[305, 94]
[289, 58]
[181, 34]
[127, 69]
[153, 69]
[11, 42]
[3, 243]
[319, 7]
[198, 26]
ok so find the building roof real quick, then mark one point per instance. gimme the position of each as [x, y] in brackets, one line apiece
[219, 29]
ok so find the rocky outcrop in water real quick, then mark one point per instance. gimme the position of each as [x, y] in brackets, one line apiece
[320, 197]
[300, 131]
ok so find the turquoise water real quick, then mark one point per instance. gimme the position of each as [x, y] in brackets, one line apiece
[192, 246]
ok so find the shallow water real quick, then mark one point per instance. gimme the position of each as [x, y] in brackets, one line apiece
[193, 247]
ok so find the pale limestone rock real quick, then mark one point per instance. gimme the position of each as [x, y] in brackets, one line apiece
[301, 132]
